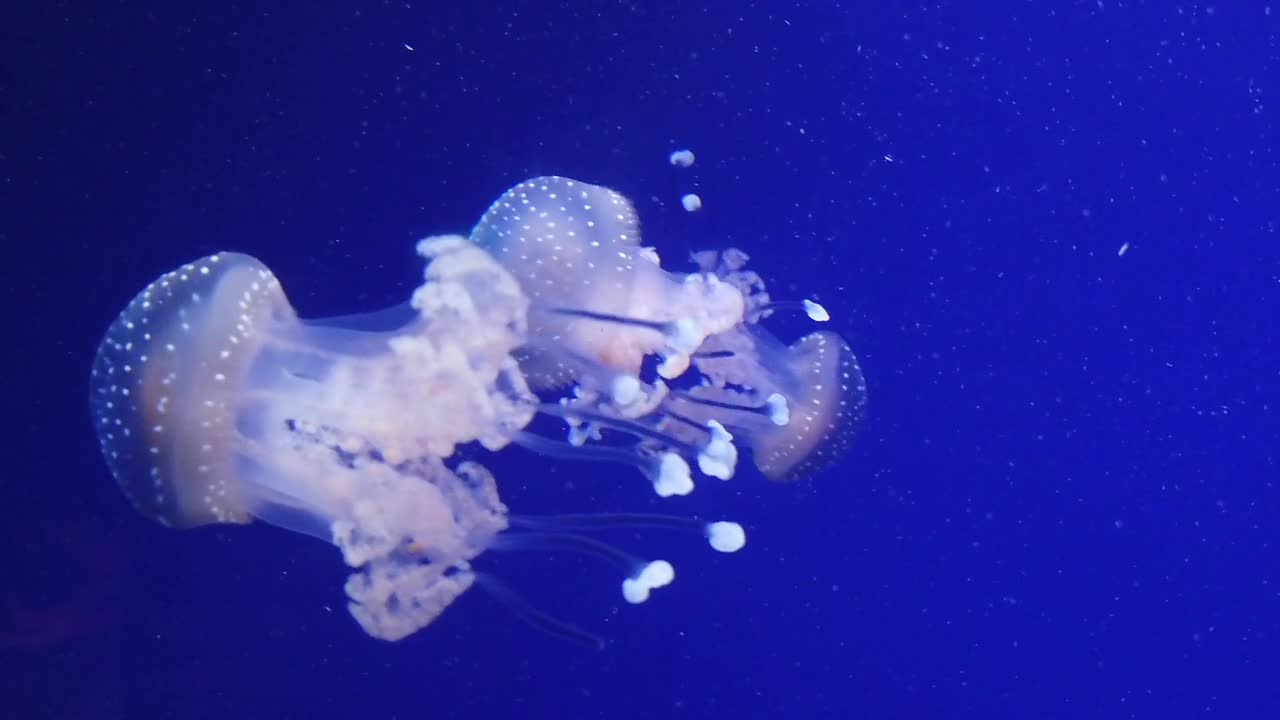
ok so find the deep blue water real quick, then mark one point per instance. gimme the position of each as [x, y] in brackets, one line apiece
[1049, 231]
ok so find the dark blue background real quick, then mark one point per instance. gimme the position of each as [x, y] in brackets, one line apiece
[1064, 503]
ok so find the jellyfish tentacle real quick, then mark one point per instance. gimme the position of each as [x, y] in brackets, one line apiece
[716, 457]
[667, 472]
[724, 535]
[642, 576]
[812, 308]
[536, 618]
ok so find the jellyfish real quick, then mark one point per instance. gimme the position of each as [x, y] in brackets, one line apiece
[215, 403]
[601, 305]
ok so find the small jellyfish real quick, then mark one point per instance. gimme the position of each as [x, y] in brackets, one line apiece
[682, 158]
[691, 202]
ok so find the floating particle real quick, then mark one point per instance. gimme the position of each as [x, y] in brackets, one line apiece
[682, 158]
[691, 202]
[1123, 249]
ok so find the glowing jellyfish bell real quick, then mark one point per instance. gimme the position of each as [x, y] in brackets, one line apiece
[215, 403]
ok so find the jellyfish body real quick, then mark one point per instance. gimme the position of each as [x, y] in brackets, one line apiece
[600, 304]
[215, 403]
